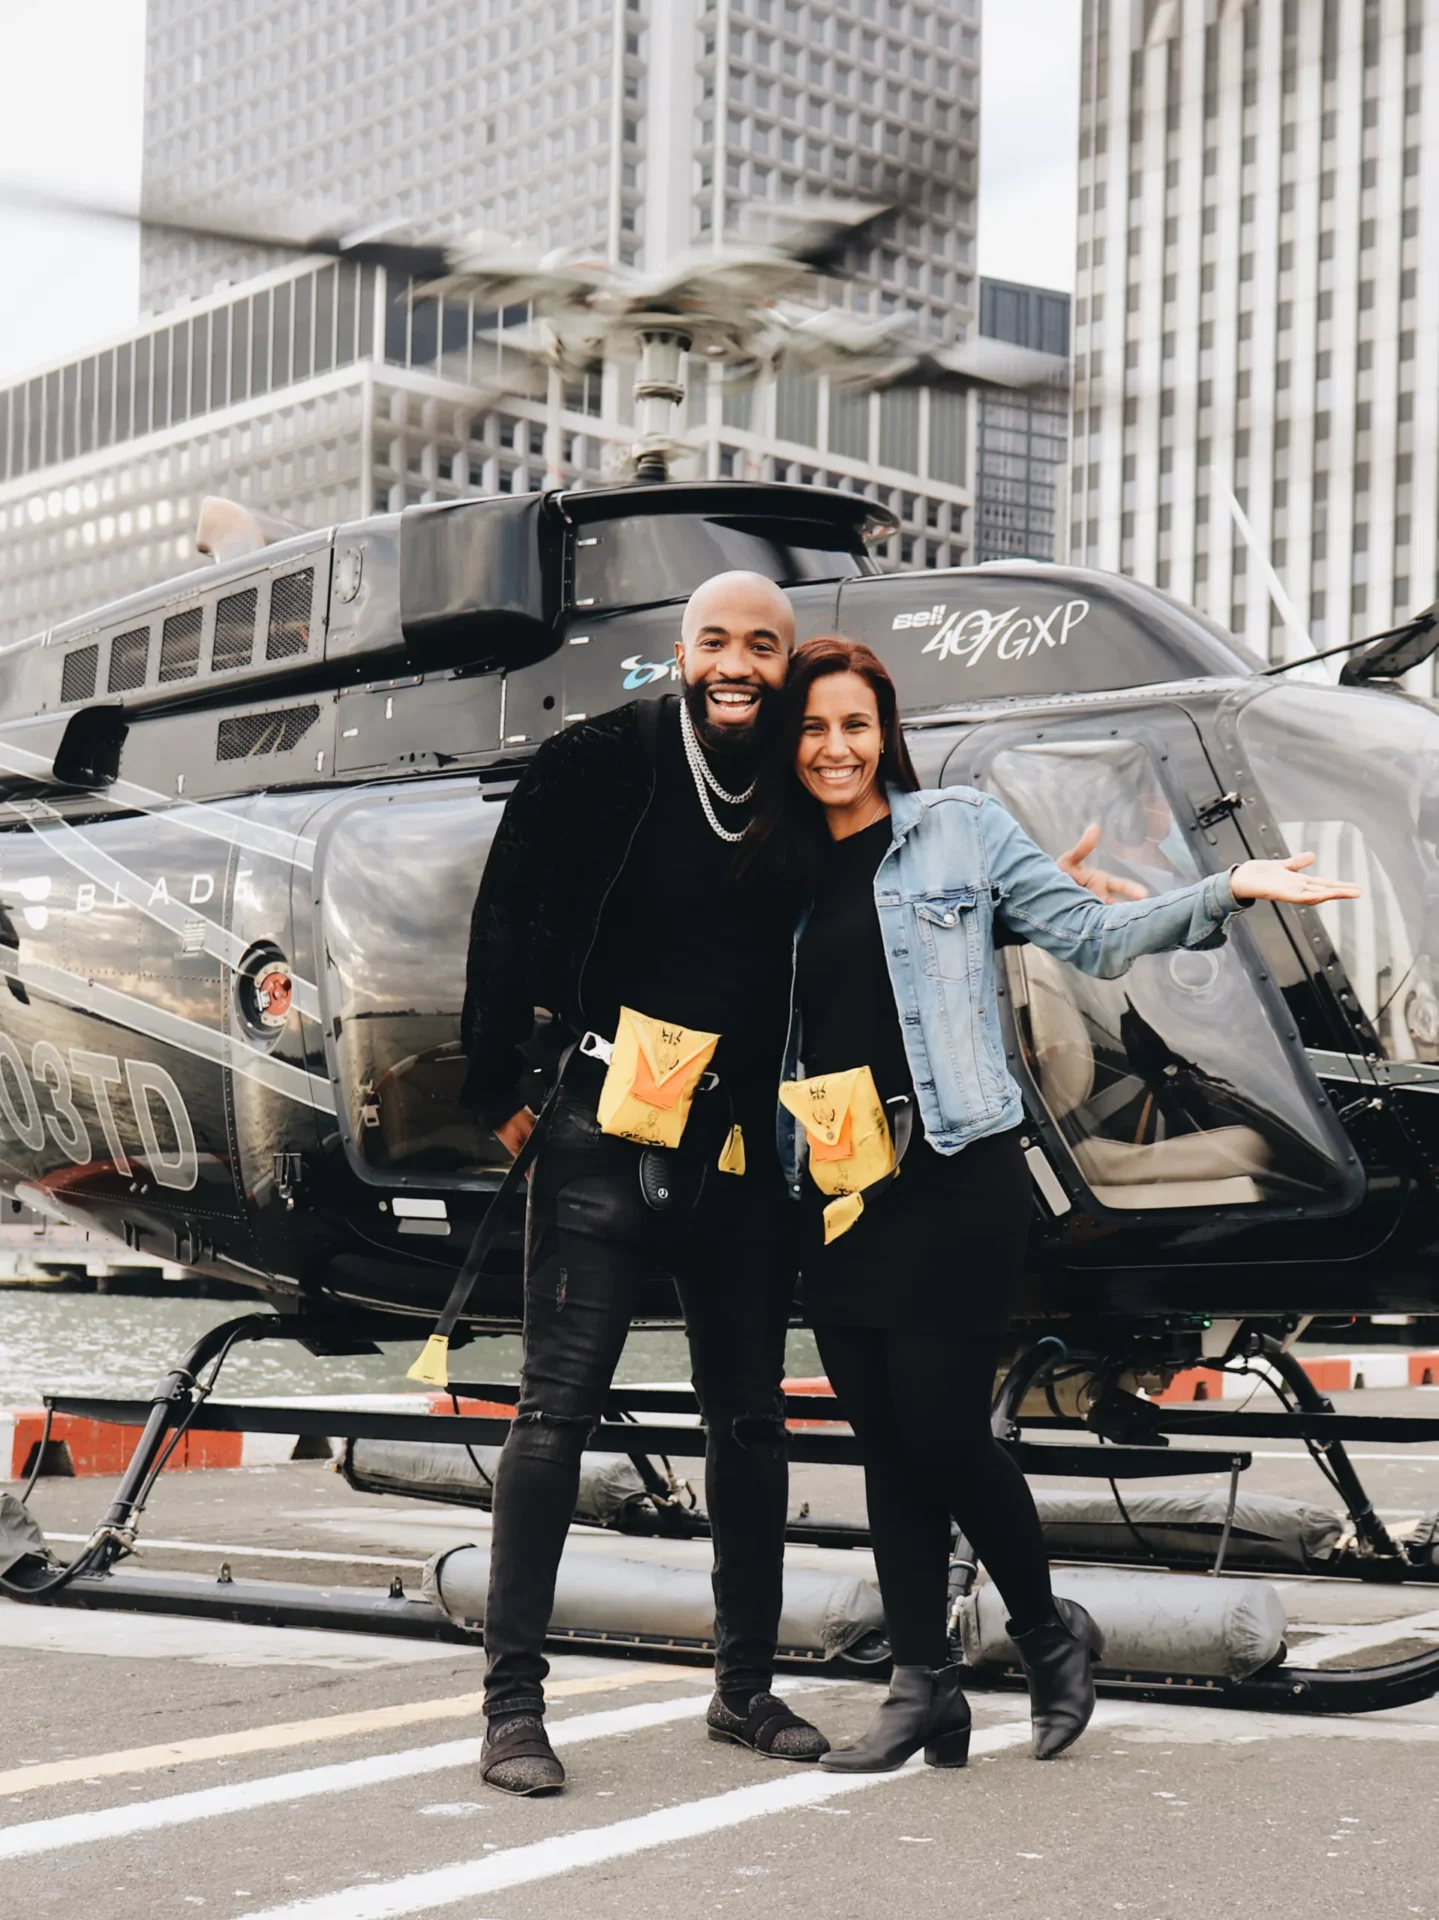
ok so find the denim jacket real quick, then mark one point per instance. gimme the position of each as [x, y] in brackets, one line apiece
[957, 858]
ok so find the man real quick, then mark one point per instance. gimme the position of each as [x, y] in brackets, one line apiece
[611, 884]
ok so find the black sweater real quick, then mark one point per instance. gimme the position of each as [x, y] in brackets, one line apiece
[540, 938]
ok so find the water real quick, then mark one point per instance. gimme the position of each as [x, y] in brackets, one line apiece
[121, 1345]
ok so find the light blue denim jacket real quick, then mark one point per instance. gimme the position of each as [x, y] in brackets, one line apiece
[957, 858]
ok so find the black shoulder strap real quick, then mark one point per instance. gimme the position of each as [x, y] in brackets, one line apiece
[647, 719]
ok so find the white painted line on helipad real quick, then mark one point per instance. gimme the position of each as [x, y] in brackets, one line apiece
[298, 1733]
[1370, 1633]
[592, 1846]
[210, 1643]
[179, 1809]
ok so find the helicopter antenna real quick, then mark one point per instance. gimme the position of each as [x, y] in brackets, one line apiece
[1283, 605]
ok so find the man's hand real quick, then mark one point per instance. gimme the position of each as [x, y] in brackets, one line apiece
[1286, 880]
[516, 1130]
[1107, 886]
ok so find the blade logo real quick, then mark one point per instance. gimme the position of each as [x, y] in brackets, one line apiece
[1013, 635]
[34, 889]
[644, 673]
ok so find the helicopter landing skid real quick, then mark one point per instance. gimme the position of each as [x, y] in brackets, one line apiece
[1274, 1689]
[183, 1401]
[1131, 1422]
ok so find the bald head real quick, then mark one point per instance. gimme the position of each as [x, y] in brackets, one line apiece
[733, 653]
[739, 599]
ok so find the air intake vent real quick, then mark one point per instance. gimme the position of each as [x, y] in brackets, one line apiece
[129, 653]
[234, 630]
[248, 735]
[77, 679]
[180, 645]
[290, 598]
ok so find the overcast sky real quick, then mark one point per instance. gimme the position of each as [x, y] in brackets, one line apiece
[71, 80]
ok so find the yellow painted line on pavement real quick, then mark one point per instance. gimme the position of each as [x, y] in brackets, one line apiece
[299, 1733]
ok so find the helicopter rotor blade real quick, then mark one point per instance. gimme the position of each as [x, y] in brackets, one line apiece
[426, 260]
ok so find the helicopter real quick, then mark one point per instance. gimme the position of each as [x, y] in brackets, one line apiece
[243, 817]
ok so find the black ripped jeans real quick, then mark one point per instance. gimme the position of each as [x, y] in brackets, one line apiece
[591, 1241]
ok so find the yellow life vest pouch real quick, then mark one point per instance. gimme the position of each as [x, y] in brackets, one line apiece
[851, 1149]
[655, 1068]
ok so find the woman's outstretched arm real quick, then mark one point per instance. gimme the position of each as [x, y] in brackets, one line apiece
[1040, 901]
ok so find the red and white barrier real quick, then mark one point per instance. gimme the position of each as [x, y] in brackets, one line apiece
[95, 1446]
[1330, 1372]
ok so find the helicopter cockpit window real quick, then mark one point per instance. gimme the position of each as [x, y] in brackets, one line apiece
[1353, 777]
[665, 556]
[397, 883]
[1169, 1086]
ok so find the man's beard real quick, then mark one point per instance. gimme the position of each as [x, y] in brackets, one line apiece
[738, 746]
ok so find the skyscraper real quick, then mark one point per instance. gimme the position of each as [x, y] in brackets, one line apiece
[1021, 452]
[631, 128]
[1257, 310]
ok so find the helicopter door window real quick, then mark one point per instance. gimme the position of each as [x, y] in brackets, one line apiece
[1169, 1087]
[1353, 777]
[397, 882]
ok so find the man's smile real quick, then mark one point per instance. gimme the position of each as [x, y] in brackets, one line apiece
[730, 700]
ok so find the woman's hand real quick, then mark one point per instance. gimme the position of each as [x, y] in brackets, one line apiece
[516, 1130]
[1285, 880]
[1106, 886]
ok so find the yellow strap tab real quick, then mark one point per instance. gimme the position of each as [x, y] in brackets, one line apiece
[731, 1158]
[840, 1215]
[432, 1368]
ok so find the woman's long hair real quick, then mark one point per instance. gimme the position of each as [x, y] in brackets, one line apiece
[787, 835]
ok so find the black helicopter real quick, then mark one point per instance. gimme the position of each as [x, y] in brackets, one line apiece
[246, 812]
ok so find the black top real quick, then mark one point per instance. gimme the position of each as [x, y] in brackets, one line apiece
[846, 1000]
[681, 938]
[940, 1250]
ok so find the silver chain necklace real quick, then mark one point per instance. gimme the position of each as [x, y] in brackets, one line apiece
[704, 778]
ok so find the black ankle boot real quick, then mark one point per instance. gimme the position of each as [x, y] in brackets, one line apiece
[1058, 1658]
[925, 1708]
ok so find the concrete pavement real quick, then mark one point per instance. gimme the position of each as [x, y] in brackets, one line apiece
[153, 1767]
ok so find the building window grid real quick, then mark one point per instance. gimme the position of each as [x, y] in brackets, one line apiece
[183, 370]
[1364, 613]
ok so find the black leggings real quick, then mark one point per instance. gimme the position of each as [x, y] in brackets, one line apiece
[919, 1403]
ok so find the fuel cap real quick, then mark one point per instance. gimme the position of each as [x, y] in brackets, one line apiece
[273, 993]
[264, 992]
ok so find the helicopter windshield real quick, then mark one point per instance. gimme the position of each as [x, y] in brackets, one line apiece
[1170, 1087]
[1353, 778]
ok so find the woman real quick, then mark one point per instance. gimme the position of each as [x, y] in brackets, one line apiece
[909, 1301]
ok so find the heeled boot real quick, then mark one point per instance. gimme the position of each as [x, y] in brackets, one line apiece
[925, 1708]
[1058, 1658]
